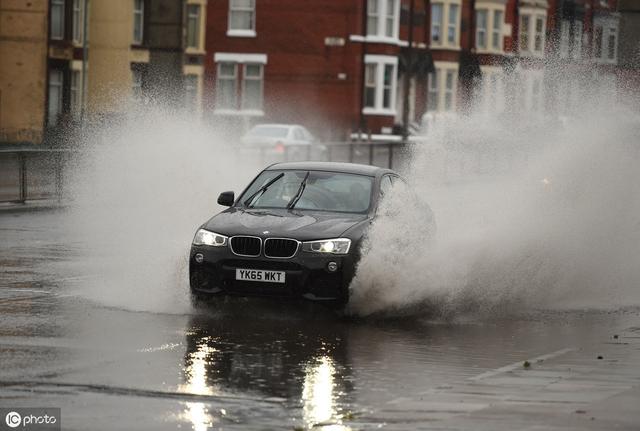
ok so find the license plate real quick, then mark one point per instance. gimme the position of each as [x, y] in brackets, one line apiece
[260, 275]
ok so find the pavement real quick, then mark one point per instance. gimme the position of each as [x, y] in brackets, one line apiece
[110, 361]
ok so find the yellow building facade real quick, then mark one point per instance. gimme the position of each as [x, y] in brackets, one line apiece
[23, 70]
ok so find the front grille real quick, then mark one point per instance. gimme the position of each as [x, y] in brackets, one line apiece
[246, 245]
[280, 247]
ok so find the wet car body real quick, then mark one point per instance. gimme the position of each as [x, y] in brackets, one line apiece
[264, 244]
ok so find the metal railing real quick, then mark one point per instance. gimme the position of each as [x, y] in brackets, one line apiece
[390, 155]
[36, 174]
[32, 174]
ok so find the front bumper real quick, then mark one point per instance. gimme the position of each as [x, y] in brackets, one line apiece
[307, 275]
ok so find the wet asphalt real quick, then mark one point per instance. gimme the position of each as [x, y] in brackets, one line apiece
[256, 364]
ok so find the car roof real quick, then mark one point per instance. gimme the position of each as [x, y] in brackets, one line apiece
[348, 168]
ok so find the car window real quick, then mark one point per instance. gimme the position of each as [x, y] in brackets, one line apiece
[324, 191]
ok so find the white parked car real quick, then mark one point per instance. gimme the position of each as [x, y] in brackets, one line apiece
[290, 141]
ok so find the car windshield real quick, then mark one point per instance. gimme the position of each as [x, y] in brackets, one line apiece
[269, 131]
[322, 191]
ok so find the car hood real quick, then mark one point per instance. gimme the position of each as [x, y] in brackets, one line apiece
[299, 224]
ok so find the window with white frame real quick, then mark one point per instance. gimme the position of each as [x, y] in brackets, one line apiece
[383, 18]
[78, 21]
[571, 33]
[193, 26]
[482, 19]
[605, 40]
[532, 31]
[445, 24]
[489, 22]
[191, 84]
[436, 23]
[242, 18]
[380, 84]
[252, 87]
[138, 21]
[57, 19]
[56, 81]
[240, 83]
[496, 32]
[442, 88]
[226, 86]
[432, 92]
[76, 93]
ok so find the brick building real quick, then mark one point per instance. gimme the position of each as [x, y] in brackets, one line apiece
[332, 65]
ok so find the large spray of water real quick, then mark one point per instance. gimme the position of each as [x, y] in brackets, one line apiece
[529, 214]
[140, 189]
[544, 216]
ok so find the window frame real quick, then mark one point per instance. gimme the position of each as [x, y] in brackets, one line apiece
[242, 32]
[78, 22]
[197, 29]
[59, 84]
[533, 15]
[382, 62]
[442, 71]
[58, 5]
[240, 62]
[382, 17]
[138, 17]
[445, 25]
[603, 29]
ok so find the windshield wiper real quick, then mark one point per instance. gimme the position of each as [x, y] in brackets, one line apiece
[296, 198]
[262, 189]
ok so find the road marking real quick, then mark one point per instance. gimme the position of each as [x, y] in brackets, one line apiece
[517, 365]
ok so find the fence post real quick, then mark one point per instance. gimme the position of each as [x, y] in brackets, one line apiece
[390, 155]
[23, 177]
[351, 152]
[370, 152]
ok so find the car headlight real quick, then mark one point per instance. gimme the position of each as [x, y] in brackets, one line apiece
[332, 246]
[206, 237]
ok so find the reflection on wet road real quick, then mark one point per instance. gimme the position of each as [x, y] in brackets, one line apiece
[259, 365]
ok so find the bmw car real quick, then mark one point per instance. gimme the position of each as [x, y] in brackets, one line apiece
[296, 231]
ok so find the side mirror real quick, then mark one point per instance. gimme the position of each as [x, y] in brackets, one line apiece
[226, 199]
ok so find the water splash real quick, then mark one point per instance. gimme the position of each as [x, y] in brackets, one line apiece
[530, 215]
[139, 191]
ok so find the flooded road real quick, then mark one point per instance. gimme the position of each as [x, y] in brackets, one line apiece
[250, 364]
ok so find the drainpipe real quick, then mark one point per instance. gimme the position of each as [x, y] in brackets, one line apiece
[407, 77]
[362, 125]
[85, 59]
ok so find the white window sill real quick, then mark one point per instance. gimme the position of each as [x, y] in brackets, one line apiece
[370, 38]
[241, 33]
[236, 112]
[535, 54]
[446, 47]
[489, 51]
[378, 111]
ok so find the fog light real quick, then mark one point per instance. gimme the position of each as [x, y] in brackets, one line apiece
[332, 266]
[199, 257]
